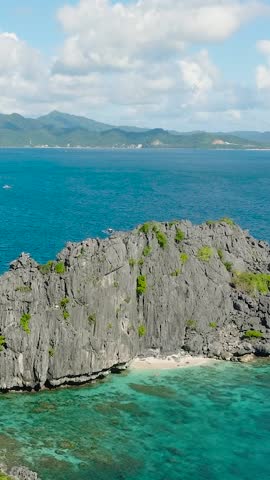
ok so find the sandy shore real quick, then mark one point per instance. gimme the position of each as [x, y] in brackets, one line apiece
[173, 361]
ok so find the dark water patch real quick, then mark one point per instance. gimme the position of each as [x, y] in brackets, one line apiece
[113, 467]
[53, 467]
[66, 445]
[153, 390]
[114, 408]
[10, 451]
[45, 407]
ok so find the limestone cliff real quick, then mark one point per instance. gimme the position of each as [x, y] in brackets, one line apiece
[161, 288]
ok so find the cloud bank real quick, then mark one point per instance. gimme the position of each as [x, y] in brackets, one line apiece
[144, 62]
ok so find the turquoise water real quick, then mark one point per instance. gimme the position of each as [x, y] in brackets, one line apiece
[207, 423]
[60, 195]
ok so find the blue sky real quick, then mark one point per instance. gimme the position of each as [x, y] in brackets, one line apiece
[34, 21]
[184, 64]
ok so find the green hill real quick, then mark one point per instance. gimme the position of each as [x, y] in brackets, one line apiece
[64, 130]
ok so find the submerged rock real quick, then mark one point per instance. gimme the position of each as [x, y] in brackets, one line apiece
[250, 357]
[154, 391]
[160, 288]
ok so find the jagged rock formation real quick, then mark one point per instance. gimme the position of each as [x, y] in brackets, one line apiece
[23, 473]
[160, 288]
[17, 473]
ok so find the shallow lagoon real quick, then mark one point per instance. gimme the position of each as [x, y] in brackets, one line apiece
[209, 422]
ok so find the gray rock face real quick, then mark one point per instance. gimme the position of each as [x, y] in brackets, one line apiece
[74, 325]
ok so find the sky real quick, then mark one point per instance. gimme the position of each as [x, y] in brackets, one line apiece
[175, 64]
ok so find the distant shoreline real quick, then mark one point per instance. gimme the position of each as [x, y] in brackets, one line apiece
[62, 130]
[165, 147]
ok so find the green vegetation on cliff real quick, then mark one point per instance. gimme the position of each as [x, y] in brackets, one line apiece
[64, 302]
[2, 342]
[147, 250]
[161, 238]
[141, 330]
[184, 257]
[3, 476]
[227, 220]
[205, 253]
[51, 353]
[23, 289]
[132, 262]
[60, 268]
[24, 322]
[176, 273]
[252, 283]
[141, 285]
[192, 324]
[253, 334]
[146, 227]
[66, 315]
[228, 266]
[46, 268]
[220, 254]
[180, 236]
[92, 318]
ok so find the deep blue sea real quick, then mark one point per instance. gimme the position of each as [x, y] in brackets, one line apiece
[203, 423]
[62, 195]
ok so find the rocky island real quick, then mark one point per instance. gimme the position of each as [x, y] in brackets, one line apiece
[160, 289]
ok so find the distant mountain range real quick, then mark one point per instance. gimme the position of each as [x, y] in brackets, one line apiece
[63, 130]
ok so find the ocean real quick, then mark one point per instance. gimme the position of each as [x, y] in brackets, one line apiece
[208, 422]
[69, 195]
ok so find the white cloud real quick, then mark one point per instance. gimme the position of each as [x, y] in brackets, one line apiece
[264, 46]
[263, 77]
[199, 76]
[21, 72]
[234, 114]
[139, 52]
[106, 35]
[263, 71]
[28, 85]
[17, 58]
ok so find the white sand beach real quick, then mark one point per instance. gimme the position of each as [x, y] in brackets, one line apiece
[170, 362]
